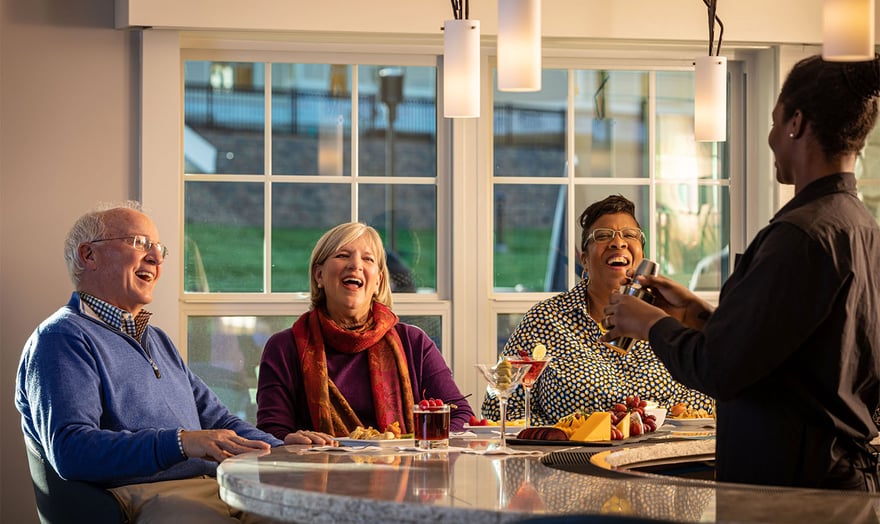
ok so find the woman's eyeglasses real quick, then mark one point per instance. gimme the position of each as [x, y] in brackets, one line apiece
[602, 235]
[139, 242]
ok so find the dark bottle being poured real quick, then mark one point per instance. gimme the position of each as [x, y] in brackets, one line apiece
[634, 287]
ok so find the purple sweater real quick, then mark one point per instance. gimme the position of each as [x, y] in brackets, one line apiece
[281, 399]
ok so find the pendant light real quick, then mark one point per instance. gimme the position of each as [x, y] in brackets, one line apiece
[519, 45]
[461, 64]
[848, 30]
[710, 87]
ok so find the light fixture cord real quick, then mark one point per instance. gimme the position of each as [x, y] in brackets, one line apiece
[599, 96]
[713, 18]
[461, 9]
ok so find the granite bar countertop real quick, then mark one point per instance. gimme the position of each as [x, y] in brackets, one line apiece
[294, 484]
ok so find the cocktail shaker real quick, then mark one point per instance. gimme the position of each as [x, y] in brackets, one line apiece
[635, 288]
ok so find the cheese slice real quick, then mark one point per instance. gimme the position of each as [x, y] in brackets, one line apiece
[597, 427]
[623, 425]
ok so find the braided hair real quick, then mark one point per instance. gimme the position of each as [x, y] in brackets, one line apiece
[838, 99]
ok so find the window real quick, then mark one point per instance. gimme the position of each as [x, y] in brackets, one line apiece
[275, 154]
[478, 212]
[590, 133]
[868, 173]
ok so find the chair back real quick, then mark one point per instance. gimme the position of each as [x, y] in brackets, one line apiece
[62, 501]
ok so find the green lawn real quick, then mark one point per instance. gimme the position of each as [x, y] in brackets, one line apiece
[231, 258]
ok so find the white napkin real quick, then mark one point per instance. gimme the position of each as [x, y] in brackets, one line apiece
[502, 451]
[435, 450]
[344, 449]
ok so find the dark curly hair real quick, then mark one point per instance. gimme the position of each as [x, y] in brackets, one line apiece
[838, 99]
[607, 206]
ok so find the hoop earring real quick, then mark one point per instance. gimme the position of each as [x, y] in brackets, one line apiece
[585, 276]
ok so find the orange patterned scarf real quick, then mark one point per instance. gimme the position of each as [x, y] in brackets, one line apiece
[389, 375]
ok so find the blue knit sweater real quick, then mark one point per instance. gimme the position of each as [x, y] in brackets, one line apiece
[89, 396]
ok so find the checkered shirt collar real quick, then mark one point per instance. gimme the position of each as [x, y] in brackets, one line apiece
[118, 318]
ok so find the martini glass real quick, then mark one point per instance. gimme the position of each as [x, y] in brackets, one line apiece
[536, 367]
[489, 372]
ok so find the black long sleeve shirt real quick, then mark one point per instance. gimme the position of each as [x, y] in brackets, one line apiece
[792, 352]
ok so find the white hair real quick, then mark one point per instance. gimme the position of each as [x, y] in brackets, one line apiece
[87, 228]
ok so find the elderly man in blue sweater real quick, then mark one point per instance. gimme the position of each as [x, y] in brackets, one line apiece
[107, 397]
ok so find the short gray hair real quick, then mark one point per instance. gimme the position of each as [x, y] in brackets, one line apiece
[87, 228]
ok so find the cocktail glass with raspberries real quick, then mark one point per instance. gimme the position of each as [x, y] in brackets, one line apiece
[431, 418]
[502, 379]
[536, 362]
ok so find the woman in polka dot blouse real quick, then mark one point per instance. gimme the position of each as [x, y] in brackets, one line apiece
[586, 374]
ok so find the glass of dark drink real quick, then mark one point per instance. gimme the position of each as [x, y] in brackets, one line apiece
[432, 426]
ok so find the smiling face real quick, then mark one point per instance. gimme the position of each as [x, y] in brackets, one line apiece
[350, 278]
[608, 262]
[115, 271]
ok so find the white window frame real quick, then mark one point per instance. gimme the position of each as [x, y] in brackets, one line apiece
[465, 299]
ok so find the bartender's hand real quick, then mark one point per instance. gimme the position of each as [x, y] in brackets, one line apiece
[629, 316]
[310, 437]
[218, 444]
[678, 301]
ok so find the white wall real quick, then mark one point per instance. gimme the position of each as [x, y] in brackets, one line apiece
[67, 124]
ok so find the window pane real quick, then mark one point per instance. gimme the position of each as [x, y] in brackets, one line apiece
[432, 325]
[507, 322]
[225, 352]
[530, 238]
[405, 215]
[529, 129]
[610, 123]
[869, 192]
[693, 234]
[223, 117]
[678, 155]
[397, 121]
[311, 119]
[223, 230]
[301, 213]
[868, 173]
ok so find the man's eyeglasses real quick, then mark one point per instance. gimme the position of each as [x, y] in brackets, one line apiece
[139, 242]
[629, 234]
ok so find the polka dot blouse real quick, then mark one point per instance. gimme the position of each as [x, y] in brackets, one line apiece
[584, 373]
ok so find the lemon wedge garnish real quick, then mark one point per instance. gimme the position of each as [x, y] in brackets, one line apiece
[539, 352]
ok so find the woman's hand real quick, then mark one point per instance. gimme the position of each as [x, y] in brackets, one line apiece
[310, 437]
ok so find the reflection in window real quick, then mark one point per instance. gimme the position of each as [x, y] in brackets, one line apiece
[506, 324]
[868, 173]
[681, 193]
[225, 352]
[221, 76]
[242, 194]
[611, 123]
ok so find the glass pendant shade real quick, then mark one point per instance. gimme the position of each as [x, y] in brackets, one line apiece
[848, 30]
[519, 45]
[461, 68]
[710, 99]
